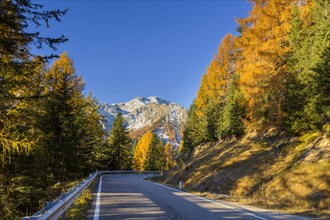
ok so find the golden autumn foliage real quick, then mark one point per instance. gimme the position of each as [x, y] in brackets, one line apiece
[216, 81]
[170, 161]
[204, 115]
[264, 47]
[256, 79]
[61, 74]
[141, 150]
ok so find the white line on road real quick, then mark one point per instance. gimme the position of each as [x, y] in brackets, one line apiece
[208, 200]
[98, 201]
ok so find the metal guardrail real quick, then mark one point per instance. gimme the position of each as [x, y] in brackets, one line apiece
[57, 208]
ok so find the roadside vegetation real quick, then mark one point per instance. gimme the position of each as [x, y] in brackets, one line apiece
[79, 208]
[258, 129]
[272, 170]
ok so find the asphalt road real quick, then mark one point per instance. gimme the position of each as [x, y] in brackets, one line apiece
[128, 196]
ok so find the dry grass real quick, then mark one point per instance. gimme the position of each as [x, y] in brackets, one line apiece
[271, 170]
[79, 208]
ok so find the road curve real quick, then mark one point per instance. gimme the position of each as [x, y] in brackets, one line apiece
[128, 196]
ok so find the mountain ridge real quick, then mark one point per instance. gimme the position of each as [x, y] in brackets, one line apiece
[163, 117]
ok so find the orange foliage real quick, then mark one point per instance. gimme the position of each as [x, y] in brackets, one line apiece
[265, 45]
[170, 162]
[141, 150]
[216, 81]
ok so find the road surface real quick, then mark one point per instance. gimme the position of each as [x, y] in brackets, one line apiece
[128, 196]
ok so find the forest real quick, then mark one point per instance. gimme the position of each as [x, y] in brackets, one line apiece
[51, 132]
[274, 74]
[258, 130]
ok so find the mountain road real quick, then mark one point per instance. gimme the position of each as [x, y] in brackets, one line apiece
[129, 196]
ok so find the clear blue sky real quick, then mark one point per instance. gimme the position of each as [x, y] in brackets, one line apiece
[125, 49]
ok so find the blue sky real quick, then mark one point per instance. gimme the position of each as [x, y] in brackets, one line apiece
[124, 49]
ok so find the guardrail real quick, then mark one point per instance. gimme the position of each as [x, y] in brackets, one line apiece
[57, 208]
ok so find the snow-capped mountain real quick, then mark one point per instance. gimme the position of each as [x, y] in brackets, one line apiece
[141, 114]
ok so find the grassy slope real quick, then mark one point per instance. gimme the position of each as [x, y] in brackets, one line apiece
[272, 170]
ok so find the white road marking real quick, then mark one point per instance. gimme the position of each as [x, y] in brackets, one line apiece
[98, 201]
[208, 200]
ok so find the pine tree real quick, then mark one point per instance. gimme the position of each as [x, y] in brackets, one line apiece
[92, 135]
[308, 89]
[230, 124]
[193, 133]
[120, 145]
[156, 158]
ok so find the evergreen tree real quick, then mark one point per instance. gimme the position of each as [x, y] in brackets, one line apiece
[193, 133]
[156, 158]
[120, 145]
[16, 66]
[231, 119]
[214, 115]
[63, 121]
[93, 135]
[23, 179]
[308, 98]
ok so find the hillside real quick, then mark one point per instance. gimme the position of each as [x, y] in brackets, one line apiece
[272, 170]
[141, 114]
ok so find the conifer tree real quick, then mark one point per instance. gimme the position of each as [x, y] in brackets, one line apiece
[264, 48]
[141, 150]
[193, 134]
[308, 98]
[120, 145]
[22, 178]
[93, 135]
[230, 124]
[16, 66]
[156, 157]
[63, 119]
[169, 154]
[206, 114]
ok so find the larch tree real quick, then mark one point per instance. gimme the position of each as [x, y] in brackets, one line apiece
[62, 121]
[21, 82]
[264, 48]
[169, 154]
[16, 66]
[206, 115]
[141, 150]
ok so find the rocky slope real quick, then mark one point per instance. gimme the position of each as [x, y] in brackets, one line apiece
[165, 118]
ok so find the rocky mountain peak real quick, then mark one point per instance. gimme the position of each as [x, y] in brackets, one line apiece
[141, 114]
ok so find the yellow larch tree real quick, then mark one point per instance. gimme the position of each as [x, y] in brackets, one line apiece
[216, 81]
[170, 161]
[141, 150]
[213, 90]
[264, 47]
